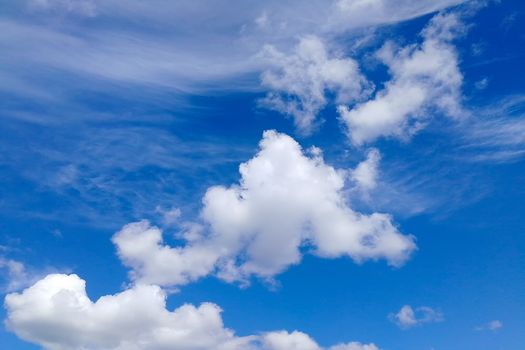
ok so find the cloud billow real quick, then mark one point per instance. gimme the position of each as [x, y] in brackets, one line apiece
[57, 314]
[286, 199]
[425, 80]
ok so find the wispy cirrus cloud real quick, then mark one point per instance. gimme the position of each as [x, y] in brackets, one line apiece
[122, 169]
[495, 133]
[119, 41]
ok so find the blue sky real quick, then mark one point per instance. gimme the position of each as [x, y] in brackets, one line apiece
[339, 175]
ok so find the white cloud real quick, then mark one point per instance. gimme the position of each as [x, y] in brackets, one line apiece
[141, 247]
[285, 200]
[425, 80]
[354, 346]
[299, 82]
[408, 317]
[57, 314]
[289, 341]
[282, 340]
[16, 275]
[481, 84]
[120, 40]
[362, 13]
[366, 174]
[493, 325]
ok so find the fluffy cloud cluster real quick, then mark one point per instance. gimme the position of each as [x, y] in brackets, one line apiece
[299, 82]
[57, 314]
[408, 317]
[425, 79]
[286, 201]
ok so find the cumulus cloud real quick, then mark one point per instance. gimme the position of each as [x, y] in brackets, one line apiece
[493, 325]
[425, 80]
[408, 317]
[282, 340]
[289, 341]
[299, 82]
[287, 201]
[57, 314]
[141, 247]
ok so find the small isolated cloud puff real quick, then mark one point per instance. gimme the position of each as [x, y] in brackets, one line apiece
[425, 79]
[493, 325]
[408, 317]
[481, 84]
[286, 199]
[57, 314]
[299, 82]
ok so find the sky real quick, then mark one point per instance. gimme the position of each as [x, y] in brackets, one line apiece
[248, 175]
